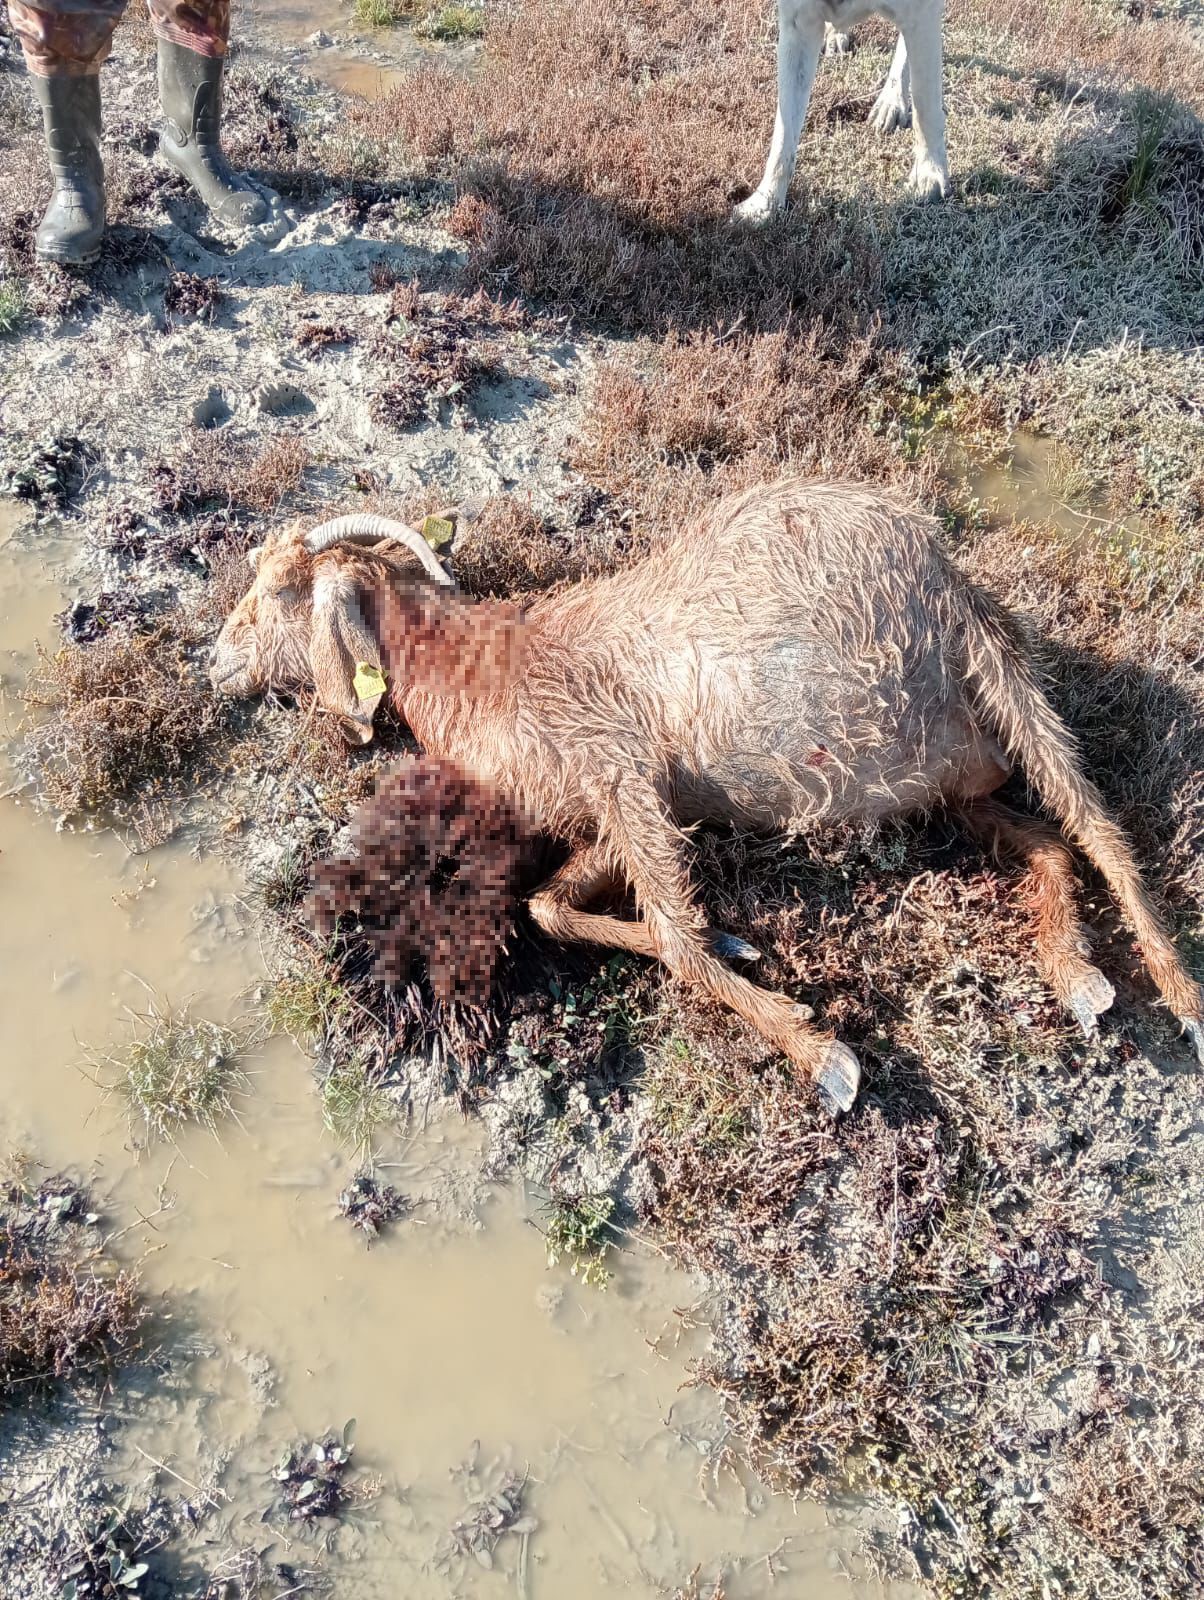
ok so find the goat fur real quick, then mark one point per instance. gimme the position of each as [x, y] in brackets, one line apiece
[804, 652]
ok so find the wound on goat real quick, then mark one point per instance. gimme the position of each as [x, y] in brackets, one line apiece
[434, 876]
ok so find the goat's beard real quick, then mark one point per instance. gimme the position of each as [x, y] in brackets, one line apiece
[435, 874]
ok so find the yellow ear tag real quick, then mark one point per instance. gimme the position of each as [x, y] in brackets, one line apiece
[438, 531]
[369, 681]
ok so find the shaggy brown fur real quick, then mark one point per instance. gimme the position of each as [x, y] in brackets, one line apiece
[803, 653]
[434, 876]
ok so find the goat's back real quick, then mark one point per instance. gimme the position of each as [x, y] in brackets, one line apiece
[796, 652]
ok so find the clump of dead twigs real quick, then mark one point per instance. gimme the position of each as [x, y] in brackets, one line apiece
[433, 351]
[370, 1205]
[65, 1317]
[123, 722]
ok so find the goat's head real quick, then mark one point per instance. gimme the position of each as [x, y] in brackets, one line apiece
[321, 612]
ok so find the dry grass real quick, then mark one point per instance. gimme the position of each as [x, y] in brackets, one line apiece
[676, 423]
[62, 1319]
[124, 724]
[1077, 227]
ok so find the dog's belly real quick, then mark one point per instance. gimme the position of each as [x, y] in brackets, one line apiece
[846, 14]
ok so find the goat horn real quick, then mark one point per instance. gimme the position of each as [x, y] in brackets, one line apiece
[364, 528]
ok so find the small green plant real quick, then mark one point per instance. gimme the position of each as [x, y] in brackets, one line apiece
[305, 1006]
[709, 1106]
[354, 1103]
[281, 884]
[451, 24]
[1151, 118]
[383, 13]
[177, 1069]
[12, 304]
[580, 1231]
[100, 1563]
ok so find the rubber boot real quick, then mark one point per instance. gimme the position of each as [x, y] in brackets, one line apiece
[190, 92]
[74, 224]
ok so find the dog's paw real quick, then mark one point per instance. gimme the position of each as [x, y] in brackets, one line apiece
[838, 44]
[928, 181]
[756, 211]
[890, 111]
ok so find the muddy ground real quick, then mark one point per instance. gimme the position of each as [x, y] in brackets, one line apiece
[975, 1301]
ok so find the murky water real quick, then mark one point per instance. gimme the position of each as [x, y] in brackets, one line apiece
[358, 60]
[449, 1330]
[1032, 485]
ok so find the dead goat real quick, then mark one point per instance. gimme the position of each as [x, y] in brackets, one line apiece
[803, 652]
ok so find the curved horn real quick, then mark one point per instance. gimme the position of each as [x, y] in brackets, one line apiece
[364, 528]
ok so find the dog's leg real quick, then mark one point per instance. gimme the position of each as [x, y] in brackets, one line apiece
[800, 38]
[929, 178]
[892, 108]
[837, 44]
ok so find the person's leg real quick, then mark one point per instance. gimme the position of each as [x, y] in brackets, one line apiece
[193, 36]
[65, 43]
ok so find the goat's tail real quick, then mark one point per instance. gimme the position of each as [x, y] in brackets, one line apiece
[1007, 694]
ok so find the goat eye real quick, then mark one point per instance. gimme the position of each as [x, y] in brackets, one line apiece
[287, 595]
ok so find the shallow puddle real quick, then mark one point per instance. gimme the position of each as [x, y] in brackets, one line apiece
[448, 1331]
[1031, 486]
[357, 60]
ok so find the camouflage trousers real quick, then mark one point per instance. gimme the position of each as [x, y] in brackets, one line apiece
[70, 38]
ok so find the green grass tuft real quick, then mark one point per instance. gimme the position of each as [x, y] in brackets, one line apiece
[178, 1069]
[354, 1104]
[12, 304]
[306, 1006]
[452, 24]
[383, 13]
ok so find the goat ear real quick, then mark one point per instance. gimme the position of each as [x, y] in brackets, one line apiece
[447, 645]
[344, 656]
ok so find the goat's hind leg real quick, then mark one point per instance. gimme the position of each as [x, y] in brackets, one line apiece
[559, 908]
[1051, 886]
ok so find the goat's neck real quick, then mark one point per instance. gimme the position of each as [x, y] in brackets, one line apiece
[442, 723]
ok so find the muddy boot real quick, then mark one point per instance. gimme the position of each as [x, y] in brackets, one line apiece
[190, 92]
[74, 224]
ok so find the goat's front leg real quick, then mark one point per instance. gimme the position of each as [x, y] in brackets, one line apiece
[800, 38]
[929, 178]
[558, 907]
[645, 838]
[892, 108]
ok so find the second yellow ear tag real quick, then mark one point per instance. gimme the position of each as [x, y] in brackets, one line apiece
[437, 531]
[369, 681]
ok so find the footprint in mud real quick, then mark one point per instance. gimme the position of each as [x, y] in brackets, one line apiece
[213, 411]
[281, 399]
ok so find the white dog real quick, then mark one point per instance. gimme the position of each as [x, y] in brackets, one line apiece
[805, 27]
